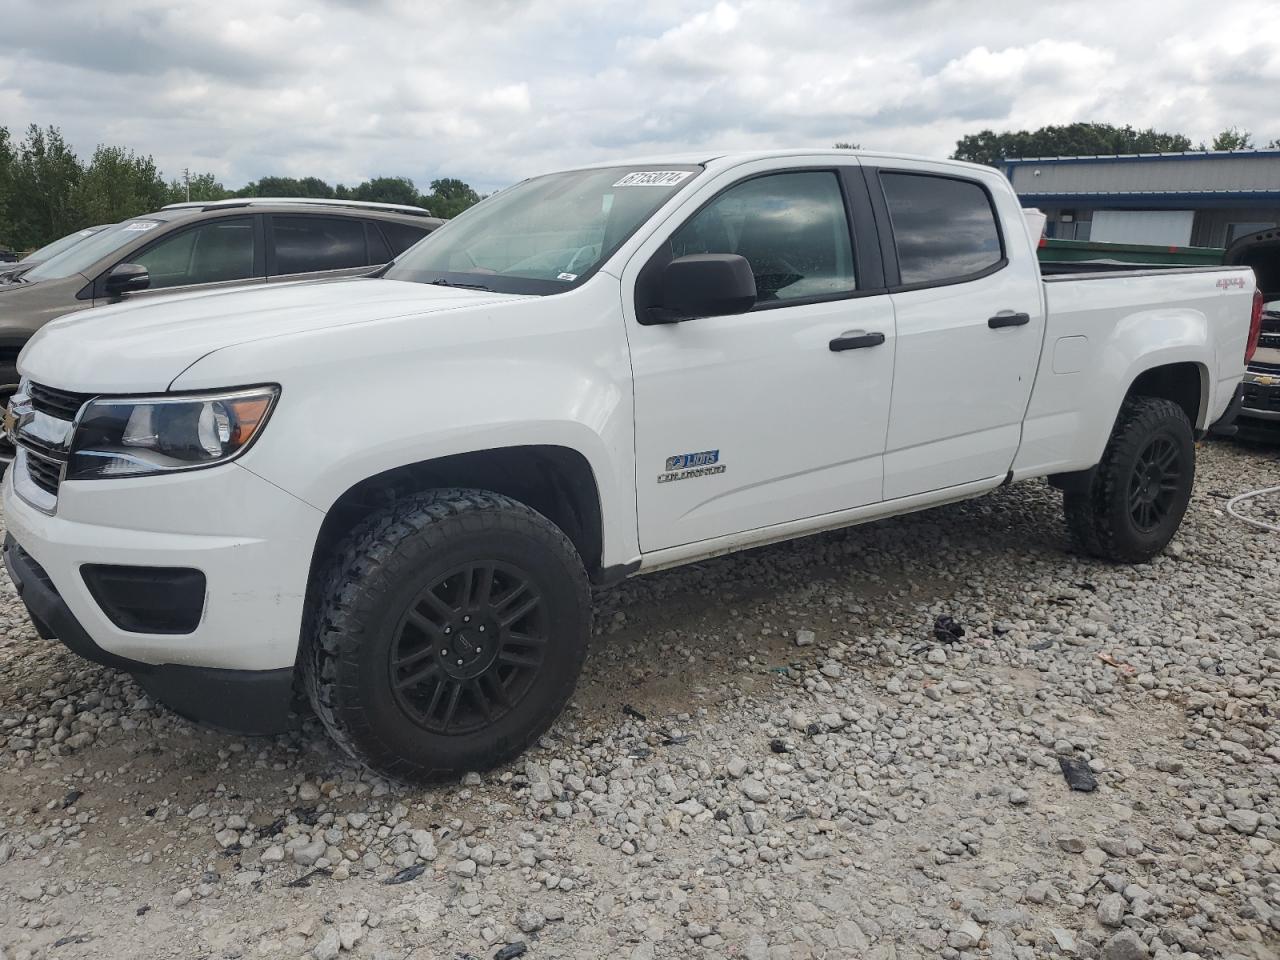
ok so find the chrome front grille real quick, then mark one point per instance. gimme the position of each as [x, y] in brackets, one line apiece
[60, 404]
[45, 472]
[42, 420]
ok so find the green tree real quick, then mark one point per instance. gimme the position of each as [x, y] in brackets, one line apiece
[287, 187]
[1069, 140]
[387, 190]
[42, 189]
[118, 184]
[1232, 138]
[6, 177]
[449, 197]
[203, 186]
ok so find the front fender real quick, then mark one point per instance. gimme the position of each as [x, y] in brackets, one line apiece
[361, 400]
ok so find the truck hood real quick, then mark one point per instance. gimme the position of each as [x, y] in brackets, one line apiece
[145, 344]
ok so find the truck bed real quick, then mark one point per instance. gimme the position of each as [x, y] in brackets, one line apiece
[1104, 328]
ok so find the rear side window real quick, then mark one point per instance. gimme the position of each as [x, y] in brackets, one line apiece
[401, 236]
[310, 244]
[791, 228]
[213, 252]
[378, 250]
[944, 229]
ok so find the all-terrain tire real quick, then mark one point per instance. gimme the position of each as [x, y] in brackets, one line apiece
[388, 630]
[1141, 487]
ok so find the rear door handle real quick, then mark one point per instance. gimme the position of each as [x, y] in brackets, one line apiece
[856, 340]
[1009, 320]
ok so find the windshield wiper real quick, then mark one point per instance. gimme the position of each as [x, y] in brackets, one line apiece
[442, 282]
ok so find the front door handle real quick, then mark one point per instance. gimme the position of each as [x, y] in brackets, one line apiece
[855, 340]
[1009, 320]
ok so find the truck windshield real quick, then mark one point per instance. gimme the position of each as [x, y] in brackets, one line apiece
[89, 251]
[543, 235]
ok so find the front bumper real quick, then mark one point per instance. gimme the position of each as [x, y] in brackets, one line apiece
[244, 701]
[250, 539]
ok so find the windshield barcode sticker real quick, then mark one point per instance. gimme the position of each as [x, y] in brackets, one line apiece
[653, 178]
[140, 225]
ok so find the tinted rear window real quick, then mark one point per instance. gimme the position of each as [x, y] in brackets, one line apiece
[944, 229]
[379, 252]
[309, 244]
[401, 236]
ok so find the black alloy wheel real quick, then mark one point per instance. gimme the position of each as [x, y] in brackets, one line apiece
[468, 648]
[1154, 483]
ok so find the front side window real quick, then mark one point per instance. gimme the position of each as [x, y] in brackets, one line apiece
[214, 252]
[945, 229]
[791, 228]
[545, 234]
[310, 244]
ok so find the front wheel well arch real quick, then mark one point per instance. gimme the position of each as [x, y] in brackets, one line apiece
[556, 481]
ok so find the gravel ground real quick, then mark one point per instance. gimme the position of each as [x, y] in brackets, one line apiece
[771, 756]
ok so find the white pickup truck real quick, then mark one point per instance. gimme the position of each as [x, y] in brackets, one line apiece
[392, 494]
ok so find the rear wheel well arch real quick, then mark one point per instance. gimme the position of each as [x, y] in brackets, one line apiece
[556, 481]
[1185, 383]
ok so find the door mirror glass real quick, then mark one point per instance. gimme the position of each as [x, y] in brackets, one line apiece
[127, 277]
[705, 285]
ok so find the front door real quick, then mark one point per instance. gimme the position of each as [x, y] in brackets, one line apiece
[780, 413]
[224, 252]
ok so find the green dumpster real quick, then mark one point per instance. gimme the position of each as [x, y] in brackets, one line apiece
[1083, 251]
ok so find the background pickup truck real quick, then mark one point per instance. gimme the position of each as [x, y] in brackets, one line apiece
[591, 374]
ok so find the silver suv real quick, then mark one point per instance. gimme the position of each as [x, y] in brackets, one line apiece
[203, 246]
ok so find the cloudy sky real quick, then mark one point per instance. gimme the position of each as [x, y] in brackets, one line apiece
[494, 90]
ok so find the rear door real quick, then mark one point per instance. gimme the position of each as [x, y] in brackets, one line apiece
[970, 321]
[303, 246]
[747, 421]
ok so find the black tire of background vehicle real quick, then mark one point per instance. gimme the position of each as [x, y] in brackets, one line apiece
[377, 585]
[1102, 520]
[8, 387]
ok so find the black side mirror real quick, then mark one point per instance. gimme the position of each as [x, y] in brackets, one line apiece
[704, 285]
[127, 277]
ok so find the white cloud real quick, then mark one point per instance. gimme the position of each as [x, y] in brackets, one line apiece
[493, 90]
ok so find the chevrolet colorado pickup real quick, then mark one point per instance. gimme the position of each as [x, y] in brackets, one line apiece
[591, 374]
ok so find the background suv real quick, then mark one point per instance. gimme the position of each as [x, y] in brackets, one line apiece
[199, 246]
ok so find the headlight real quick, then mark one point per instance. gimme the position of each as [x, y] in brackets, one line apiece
[136, 436]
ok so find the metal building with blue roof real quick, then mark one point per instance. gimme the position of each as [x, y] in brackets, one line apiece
[1202, 199]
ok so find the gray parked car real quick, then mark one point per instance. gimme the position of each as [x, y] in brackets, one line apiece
[11, 271]
[200, 246]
